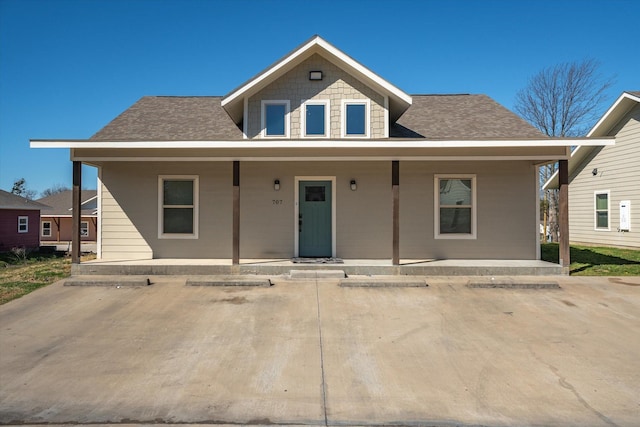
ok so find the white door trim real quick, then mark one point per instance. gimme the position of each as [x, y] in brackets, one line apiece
[296, 204]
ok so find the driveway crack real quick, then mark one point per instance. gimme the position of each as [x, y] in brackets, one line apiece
[324, 389]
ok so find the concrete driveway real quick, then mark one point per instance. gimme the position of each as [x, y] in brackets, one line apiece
[312, 353]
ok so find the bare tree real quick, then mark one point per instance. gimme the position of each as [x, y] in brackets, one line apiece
[20, 188]
[55, 189]
[562, 101]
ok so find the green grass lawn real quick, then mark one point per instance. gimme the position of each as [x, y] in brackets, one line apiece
[597, 261]
[24, 273]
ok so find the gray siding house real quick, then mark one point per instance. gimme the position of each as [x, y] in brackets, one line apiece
[604, 195]
[318, 156]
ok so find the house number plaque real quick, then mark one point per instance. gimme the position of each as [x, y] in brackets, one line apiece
[277, 202]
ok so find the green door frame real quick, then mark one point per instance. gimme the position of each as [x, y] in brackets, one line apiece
[298, 179]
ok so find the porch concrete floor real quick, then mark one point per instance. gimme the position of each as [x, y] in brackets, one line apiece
[419, 267]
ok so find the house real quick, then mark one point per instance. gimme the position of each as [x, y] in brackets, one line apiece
[56, 223]
[317, 156]
[604, 195]
[19, 222]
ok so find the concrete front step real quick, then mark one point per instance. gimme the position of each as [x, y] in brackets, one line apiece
[349, 268]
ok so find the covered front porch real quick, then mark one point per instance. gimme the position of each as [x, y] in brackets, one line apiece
[381, 267]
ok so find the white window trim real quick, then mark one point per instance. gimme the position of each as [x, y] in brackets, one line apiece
[42, 229]
[87, 228]
[263, 117]
[595, 210]
[436, 207]
[303, 117]
[196, 206]
[343, 117]
[26, 224]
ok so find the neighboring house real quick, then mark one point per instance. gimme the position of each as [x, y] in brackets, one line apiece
[19, 222]
[317, 156]
[55, 224]
[604, 195]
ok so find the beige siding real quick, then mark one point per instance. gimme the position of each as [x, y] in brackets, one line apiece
[619, 173]
[506, 223]
[506, 210]
[335, 86]
[130, 225]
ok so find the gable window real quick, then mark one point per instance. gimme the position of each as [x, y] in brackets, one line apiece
[23, 224]
[455, 206]
[601, 203]
[355, 118]
[275, 119]
[46, 229]
[315, 118]
[84, 229]
[178, 207]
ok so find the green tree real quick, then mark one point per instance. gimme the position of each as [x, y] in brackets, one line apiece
[20, 188]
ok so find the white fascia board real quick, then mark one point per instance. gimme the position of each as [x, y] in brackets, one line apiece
[612, 112]
[340, 143]
[337, 53]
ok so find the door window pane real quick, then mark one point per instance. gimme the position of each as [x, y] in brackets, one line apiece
[314, 194]
[315, 120]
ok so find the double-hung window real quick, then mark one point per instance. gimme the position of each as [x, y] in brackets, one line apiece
[315, 118]
[23, 224]
[275, 119]
[355, 118]
[601, 203]
[455, 206]
[46, 229]
[178, 207]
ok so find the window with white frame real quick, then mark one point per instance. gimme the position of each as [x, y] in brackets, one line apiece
[23, 224]
[455, 206]
[84, 229]
[46, 229]
[601, 214]
[275, 119]
[355, 118]
[178, 206]
[314, 118]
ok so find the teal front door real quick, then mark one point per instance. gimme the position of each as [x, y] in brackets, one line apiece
[314, 219]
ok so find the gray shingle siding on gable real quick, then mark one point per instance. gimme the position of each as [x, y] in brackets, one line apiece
[432, 117]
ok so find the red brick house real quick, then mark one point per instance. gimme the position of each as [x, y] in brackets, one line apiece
[19, 222]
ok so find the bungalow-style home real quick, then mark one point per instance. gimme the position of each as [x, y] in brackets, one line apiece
[19, 222]
[56, 223]
[317, 156]
[604, 195]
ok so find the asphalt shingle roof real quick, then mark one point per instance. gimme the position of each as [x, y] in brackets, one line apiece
[62, 202]
[12, 201]
[437, 117]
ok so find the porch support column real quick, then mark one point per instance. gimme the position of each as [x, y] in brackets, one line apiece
[395, 208]
[563, 214]
[75, 213]
[235, 258]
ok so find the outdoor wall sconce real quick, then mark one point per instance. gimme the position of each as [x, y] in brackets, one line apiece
[276, 185]
[594, 172]
[354, 186]
[315, 75]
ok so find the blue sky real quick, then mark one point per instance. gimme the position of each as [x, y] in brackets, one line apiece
[68, 67]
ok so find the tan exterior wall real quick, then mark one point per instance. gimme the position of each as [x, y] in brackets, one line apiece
[506, 210]
[130, 211]
[65, 231]
[336, 85]
[619, 173]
